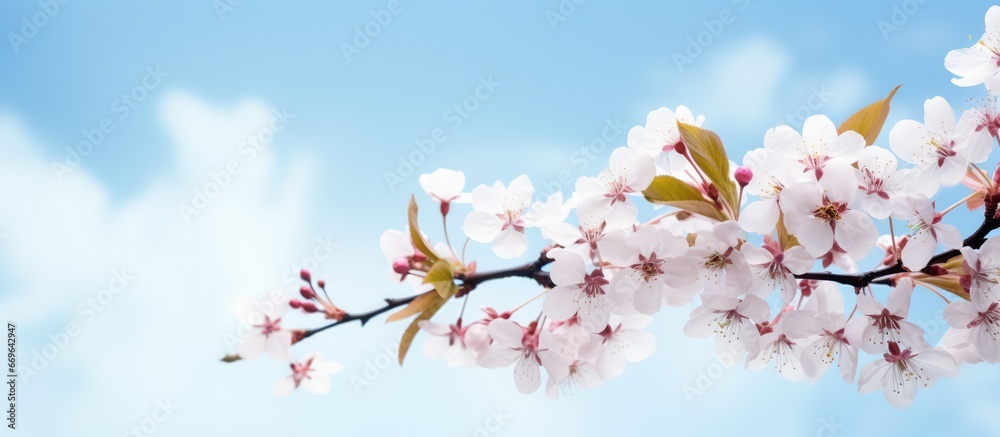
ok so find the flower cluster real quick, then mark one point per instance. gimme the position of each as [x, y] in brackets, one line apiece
[738, 243]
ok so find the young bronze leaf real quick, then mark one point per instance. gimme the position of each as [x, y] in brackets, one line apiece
[946, 283]
[442, 278]
[670, 191]
[418, 239]
[417, 305]
[230, 358]
[785, 240]
[869, 120]
[411, 331]
[709, 155]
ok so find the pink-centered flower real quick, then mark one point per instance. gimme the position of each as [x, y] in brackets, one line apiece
[608, 195]
[459, 345]
[940, 148]
[979, 321]
[980, 63]
[926, 231]
[774, 268]
[876, 325]
[498, 216]
[732, 320]
[577, 292]
[311, 374]
[660, 134]
[829, 343]
[656, 267]
[983, 268]
[445, 186]
[529, 349]
[266, 334]
[819, 215]
[900, 372]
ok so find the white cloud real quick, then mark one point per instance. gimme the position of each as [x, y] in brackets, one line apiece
[743, 81]
[64, 239]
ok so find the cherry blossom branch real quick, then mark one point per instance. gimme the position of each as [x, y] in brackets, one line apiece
[863, 279]
[532, 270]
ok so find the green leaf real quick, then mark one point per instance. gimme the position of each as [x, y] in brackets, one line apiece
[417, 305]
[411, 331]
[869, 120]
[442, 278]
[416, 236]
[709, 155]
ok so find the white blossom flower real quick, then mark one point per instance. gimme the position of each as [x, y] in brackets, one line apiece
[628, 173]
[818, 147]
[577, 292]
[656, 266]
[900, 372]
[445, 186]
[979, 321]
[660, 134]
[528, 348]
[624, 340]
[880, 325]
[498, 216]
[266, 333]
[830, 342]
[983, 268]
[458, 345]
[981, 62]
[926, 231]
[733, 320]
[312, 374]
[819, 215]
[940, 148]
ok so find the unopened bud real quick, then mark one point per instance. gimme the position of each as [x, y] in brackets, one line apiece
[680, 148]
[307, 292]
[935, 270]
[309, 307]
[712, 191]
[743, 175]
[445, 207]
[295, 303]
[304, 274]
[321, 283]
[401, 266]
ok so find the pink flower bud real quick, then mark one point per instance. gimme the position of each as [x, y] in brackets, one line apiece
[401, 265]
[307, 292]
[445, 207]
[309, 307]
[321, 283]
[743, 175]
[295, 303]
[304, 274]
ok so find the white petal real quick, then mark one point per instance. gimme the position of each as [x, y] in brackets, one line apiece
[527, 375]
[482, 226]
[506, 333]
[284, 386]
[510, 243]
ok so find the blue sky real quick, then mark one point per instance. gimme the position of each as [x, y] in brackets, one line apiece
[564, 92]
